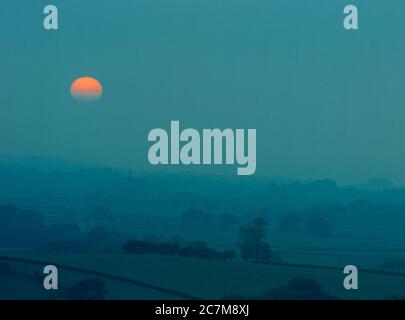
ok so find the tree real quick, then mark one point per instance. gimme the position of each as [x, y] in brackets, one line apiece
[298, 288]
[251, 241]
[89, 289]
[198, 249]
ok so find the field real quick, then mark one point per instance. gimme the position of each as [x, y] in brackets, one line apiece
[363, 239]
[11, 289]
[213, 279]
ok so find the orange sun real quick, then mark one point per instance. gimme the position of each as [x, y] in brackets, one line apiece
[86, 88]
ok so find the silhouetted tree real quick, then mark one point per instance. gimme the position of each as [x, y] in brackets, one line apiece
[198, 249]
[195, 249]
[299, 288]
[251, 240]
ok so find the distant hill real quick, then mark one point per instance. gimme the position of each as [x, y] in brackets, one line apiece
[41, 164]
[376, 184]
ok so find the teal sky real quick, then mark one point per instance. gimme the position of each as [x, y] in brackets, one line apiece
[326, 102]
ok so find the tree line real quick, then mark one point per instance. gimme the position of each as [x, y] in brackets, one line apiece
[195, 249]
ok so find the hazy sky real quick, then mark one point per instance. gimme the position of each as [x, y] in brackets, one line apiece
[326, 103]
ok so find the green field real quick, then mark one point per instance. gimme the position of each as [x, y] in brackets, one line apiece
[214, 279]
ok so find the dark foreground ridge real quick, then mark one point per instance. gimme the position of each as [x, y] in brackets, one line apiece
[178, 294]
